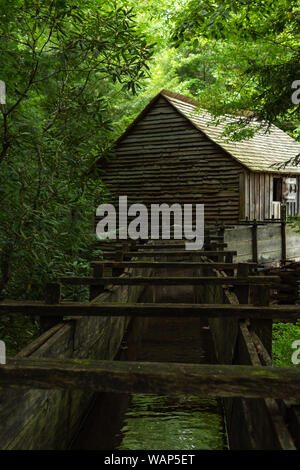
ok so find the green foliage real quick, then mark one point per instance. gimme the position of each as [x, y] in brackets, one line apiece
[294, 221]
[235, 57]
[61, 62]
[60, 59]
[16, 331]
[283, 336]
[264, 40]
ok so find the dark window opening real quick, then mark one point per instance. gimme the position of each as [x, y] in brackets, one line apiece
[277, 189]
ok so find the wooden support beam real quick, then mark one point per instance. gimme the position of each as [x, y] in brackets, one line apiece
[41, 340]
[96, 288]
[52, 296]
[260, 296]
[73, 309]
[120, 254]
[229, 258]
[135, 243]
[170, 281]
[263, 354]
[253, 350]
[170, 253]
[152, 377]
[283, 233]
[168, 246]
[254, 242]
[243, 291]
[168, 264]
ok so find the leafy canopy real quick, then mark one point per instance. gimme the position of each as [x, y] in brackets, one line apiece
[59, 60]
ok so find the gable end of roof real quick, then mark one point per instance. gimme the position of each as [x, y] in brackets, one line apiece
[257, 154]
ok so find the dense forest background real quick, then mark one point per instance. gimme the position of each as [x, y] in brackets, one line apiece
[78, 72]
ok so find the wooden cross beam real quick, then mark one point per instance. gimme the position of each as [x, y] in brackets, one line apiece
[167, 264]
[219, 254]
[75, 309]
[173, 253]
[207, 234]
[171, 281]
[168, 246]
[152, 377]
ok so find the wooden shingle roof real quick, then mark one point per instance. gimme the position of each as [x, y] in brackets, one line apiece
[258, 153]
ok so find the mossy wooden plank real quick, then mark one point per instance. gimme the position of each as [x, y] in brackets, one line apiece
[147, 377]
[172, 281]
[167, 264]
[119, 309]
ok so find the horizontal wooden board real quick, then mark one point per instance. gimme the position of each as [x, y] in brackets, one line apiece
[152, 377]
[278, 312]
[171, 281]
[167, 264]
[176, 253]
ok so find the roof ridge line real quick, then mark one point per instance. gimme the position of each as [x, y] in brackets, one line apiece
[185, 99]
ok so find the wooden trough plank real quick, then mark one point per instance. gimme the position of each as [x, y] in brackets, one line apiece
[180, 242]
[170, 281]
[151, 377]
[280, 312]
[167, 264]
[175, 245]
[261, 350]
[173, 253]
[253, 346]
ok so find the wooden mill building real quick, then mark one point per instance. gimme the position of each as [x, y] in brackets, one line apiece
[172, 153]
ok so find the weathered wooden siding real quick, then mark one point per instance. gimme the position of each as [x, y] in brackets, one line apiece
[269, 244]
[164, 159]
[256, 196]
